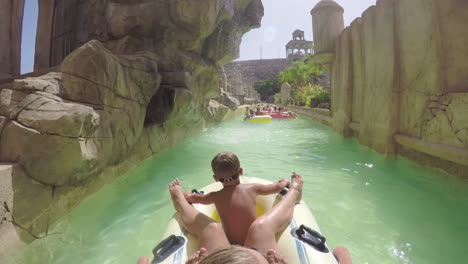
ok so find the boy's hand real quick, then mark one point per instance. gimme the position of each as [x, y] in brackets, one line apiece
[284, 182]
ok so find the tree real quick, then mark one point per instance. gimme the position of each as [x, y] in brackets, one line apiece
[302, 72]
[267, 88]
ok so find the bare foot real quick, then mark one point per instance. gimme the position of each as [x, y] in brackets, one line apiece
[197, 256]
[177, 195]
[187, 195]
[143, 260]
[274, 257]
[296, 185]
[342, 255]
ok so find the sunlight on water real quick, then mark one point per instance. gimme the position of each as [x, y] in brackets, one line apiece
[385, 210]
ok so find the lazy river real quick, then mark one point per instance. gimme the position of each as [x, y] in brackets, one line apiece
[385, 210]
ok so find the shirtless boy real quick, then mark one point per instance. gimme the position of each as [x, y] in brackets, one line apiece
[214, 246]
[236, 203]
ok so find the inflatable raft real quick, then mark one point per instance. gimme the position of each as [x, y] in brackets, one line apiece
[300, 243]
[281, 116]
[259, 119]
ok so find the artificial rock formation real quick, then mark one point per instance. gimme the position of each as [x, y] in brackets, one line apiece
[240, 77]
[399, 79]
[129, 79]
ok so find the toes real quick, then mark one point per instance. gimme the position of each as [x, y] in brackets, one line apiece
[270, 257]
[143, 260]
[203, 252]
[274, 257]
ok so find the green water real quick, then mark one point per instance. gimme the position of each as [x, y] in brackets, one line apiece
[385, 210]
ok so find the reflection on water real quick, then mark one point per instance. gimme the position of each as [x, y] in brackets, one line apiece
[386, 210]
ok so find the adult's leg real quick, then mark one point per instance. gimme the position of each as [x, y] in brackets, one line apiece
[342, 255]
[144, 260]
[261, 234]
[210, 234]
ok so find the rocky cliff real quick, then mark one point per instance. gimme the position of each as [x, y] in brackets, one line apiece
[240, 77]
[130, 78]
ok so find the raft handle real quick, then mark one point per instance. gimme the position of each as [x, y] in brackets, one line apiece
[310, 237]
[197, 191]
[166, 247]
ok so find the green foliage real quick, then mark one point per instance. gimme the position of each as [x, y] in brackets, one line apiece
[267, 88]
[305, 95]
[322, 97]
[302, 75]
[302, 72]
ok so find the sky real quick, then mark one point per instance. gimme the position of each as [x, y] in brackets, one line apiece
[281, 18]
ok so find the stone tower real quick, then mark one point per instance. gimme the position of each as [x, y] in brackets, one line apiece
[298, 46]
[327, 23]
[11, 21]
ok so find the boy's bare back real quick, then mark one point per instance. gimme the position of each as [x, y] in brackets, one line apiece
[237, 209]
[236, 205]
[236, 202]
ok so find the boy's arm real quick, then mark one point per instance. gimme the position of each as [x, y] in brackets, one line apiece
[199, 198]
[265, 189]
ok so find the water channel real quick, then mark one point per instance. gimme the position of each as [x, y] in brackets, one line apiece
[386, 210]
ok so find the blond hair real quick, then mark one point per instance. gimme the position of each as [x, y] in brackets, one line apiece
[230, 255]
[225, 164]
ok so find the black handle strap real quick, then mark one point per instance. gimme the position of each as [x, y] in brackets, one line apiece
[302, 232]
[311, 237]
[167, 247]
[197, 191]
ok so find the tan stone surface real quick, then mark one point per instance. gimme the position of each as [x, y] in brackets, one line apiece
[420, 67]
[341, 90]
[2, 123]
[285, 94]
[311, 113]
[328, 23]
[50, 159]
[242, 75]
[11, 21]
[409, 78]
[381, 91]
[358, 70]
[44, 34]
[443, 151]
[84, 79]
[222, 46]
[445, 120]
[10, 239]
[80, 127]
[23, 207]
[452, 16]
[56, 117]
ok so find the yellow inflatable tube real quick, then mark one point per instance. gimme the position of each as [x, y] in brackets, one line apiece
[298, 245]
[259, 119]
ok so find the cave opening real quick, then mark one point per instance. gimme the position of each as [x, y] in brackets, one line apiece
[160, 106]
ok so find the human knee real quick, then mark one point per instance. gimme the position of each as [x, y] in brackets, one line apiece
[260, 226]
[214, 228]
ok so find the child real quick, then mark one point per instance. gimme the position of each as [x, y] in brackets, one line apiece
[236, 203]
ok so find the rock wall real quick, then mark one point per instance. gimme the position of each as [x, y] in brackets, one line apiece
[241, 76]
[129, 79]
[400, 81]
